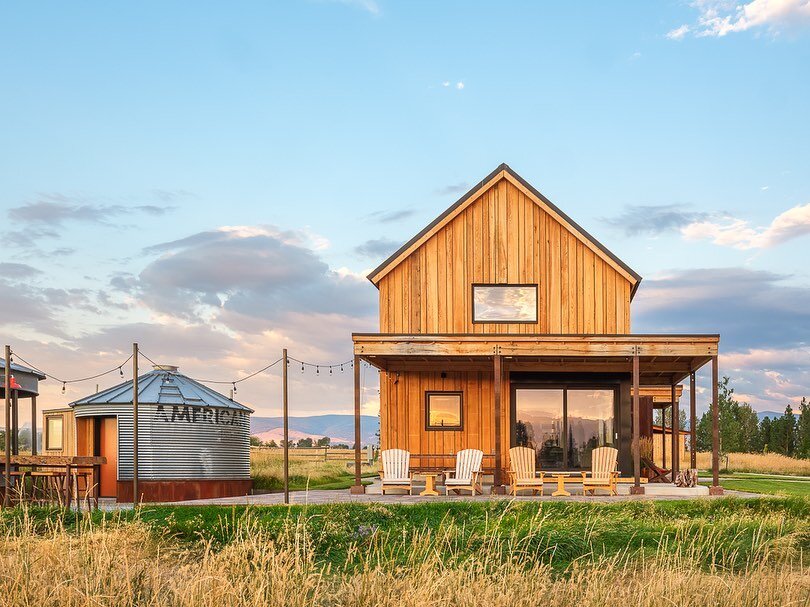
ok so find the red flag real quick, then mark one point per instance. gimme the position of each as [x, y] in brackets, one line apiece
[14, 384]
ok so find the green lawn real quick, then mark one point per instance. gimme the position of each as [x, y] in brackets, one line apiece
[769, 484]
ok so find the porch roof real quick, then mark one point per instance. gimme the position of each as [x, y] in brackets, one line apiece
[663, 359]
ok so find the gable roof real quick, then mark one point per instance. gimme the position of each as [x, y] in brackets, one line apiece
[504, 171]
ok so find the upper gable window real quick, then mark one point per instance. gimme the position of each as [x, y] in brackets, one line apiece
[505, 303]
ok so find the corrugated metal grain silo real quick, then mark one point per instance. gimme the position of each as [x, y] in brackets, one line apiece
[193, 442]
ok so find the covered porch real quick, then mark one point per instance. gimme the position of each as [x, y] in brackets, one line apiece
[488, 368]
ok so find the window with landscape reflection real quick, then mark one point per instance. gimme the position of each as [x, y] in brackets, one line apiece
[443, 410]
[590, 424]
[539, 425]
[504, 303]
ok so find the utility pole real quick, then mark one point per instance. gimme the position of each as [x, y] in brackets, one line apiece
[134, 424]
[285, 414]
[7, 390]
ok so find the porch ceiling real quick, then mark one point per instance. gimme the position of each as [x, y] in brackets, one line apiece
[663, 359]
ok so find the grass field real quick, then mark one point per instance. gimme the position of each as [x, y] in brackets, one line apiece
[266, 469]
[771, 484]
[721, 552]
[762, 463]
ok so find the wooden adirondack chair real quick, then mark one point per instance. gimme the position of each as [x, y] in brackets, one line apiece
[396, 472]
[603, 474]
[523, 471]
[467, 475]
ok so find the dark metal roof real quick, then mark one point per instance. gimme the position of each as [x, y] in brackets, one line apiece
[473, 192]
[163, 386]
[15, 368]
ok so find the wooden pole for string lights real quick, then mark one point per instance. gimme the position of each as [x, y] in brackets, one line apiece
[134, 424]
[285, 415]
[676, 432]
[7, 390]
[358, 484]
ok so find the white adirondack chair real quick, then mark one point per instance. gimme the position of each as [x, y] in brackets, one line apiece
[523, 472]
[396, 472]
[603, 474]
[467, 475]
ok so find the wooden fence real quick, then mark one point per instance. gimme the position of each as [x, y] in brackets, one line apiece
[321, 453]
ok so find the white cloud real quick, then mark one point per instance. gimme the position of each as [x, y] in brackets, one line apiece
[719, 18]
[459, 85]
[678, 33]
[446, 83]
[739, 234]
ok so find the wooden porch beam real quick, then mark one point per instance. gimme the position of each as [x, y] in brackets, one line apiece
[676, 434]
[497, 484]
[692, 420]
[715, 489]
[636, 489]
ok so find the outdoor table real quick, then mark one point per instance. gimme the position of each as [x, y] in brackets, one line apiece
[70, 464]
[430, 483]
[561, 478]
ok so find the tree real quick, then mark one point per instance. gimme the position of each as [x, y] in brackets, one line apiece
[765, 440]
[803, 430]
[305, 442]
[324, 441]
[749, 428]
[783, 433]
[272, 444]
[255, 441]
[703, 432]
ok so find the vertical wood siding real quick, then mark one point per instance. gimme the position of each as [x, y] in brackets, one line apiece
[402, 414]
[504, 237]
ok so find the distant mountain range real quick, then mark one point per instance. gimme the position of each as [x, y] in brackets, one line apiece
[772, 414]
[339, 428]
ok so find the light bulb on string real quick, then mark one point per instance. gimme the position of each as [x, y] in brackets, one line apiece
[302, 367]
[330, 369]
[341, 368]
[121, 371]
[317, 370]
[234, 387]
[63, 387]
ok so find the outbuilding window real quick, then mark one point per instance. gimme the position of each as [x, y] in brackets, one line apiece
[54, 427]
[443, 411]
[504, 303]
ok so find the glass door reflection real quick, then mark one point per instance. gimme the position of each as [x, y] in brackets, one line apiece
[590, 424]
[539, 424]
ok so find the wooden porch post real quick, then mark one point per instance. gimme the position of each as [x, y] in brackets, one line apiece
[692, 421]
[358, 487]
[7, 464]
[33, 425]
[497, 486]
[636, 489]
[663, 436]
[715, 489]
[676, 433]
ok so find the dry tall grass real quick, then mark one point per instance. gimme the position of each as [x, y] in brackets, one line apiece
[764, 463]
[266, 469]
[128, 565]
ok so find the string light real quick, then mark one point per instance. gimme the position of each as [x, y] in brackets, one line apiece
[121, 371]
[78, 379]
[63, 387]
[234, 387]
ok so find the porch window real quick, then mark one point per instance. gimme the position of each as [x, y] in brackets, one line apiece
[443, 411]
[53, 433]
[505, 303]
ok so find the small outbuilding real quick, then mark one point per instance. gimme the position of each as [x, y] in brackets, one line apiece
[193, 442]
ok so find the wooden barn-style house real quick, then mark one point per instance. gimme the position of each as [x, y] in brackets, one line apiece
[504, 323]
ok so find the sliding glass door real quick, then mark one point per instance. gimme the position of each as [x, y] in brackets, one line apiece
[563, 424]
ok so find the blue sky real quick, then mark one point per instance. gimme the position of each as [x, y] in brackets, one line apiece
[213, 180]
